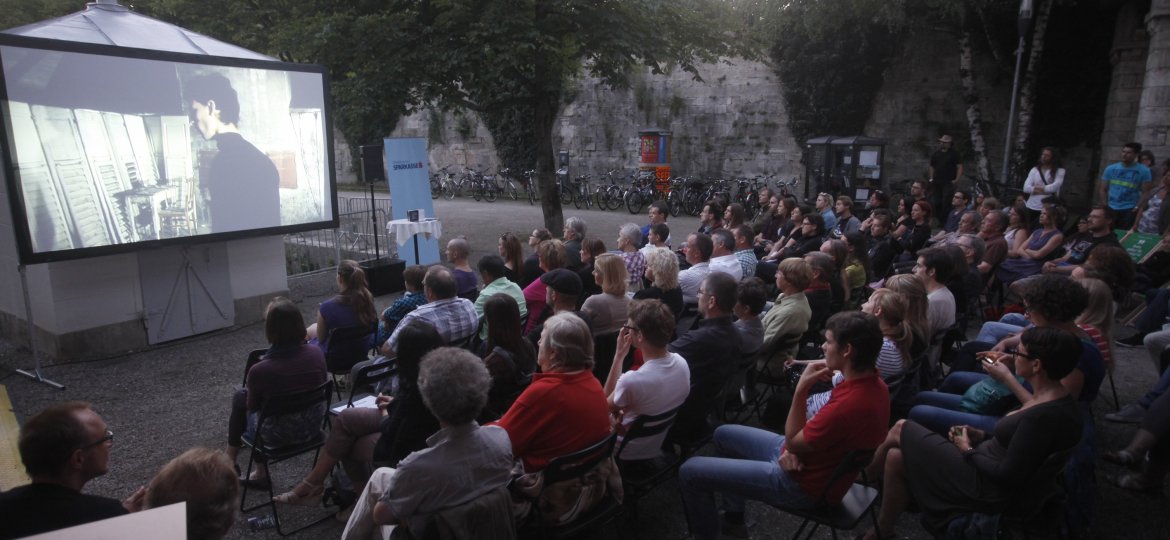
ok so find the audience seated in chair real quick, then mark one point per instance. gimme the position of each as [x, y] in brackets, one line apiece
[607, 311]
[574, 234]
[466, 280]
[628, 243]
[414, 297]
[662, 274]
[206, 481]
[750, 298]
[454, 318]
[492, 270]
[984, 471]
[63, 447]
[360, 436]
[697, 252]
[551, 256]
[289, 366]
[463, 461]
[563, 289]
[353, 306]
[510, 359]
[790, 314]
[792, 469]
[712, 352]
[660, 385]
[564, 409]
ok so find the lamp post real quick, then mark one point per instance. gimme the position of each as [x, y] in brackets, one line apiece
[1023, 24]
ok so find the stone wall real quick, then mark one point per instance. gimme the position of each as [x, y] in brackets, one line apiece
[732, 123]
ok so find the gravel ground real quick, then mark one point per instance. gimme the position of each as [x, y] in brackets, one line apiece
[168, 399]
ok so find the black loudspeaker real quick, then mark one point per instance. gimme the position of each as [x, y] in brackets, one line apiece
[373, 163]
[384, 276]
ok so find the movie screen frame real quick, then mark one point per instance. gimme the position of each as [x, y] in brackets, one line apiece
[110, 150]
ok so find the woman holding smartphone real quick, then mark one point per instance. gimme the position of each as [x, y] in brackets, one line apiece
[986, 472]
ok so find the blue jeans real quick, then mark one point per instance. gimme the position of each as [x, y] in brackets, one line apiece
[993, 332]
[748, 468]
[1157, 307]
[938, 411]
[1158, 389]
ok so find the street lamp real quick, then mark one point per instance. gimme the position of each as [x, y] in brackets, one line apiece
[1023, 24]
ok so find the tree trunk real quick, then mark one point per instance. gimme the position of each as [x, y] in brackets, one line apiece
[974, 114]
[544, 115]
[1028, 93]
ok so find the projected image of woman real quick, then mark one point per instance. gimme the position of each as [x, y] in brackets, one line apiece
[241, 183]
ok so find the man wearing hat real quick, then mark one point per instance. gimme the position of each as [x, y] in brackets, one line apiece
[563, 288]
[945, 171]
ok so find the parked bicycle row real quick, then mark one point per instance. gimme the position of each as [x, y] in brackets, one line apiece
[611, 190]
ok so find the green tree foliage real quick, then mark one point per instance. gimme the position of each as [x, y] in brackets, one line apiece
[831, 56]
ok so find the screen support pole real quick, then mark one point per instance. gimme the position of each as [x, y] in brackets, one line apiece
[374, 219]
[35, 374]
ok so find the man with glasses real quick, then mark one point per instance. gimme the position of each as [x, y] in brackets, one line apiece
[63, 447]
[241, 182]
[959, 202]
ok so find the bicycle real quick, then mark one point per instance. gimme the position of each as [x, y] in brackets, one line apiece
[530, 187]
[437, 179]
[608, 195]
[483, 186]
[641, 192]
[509, 187]
[579, 188]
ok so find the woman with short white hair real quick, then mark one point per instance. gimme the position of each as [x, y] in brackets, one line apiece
[629, 240]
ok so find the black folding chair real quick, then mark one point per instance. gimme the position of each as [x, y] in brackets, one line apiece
[365, 377]
[769, 374]
[858, 501]
[639, 477]
[307, 405]
[571, 467]
[346, 346]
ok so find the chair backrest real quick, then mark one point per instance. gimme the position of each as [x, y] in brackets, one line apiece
[306, 405]
[370, 375]
[853, 464]
[647, 426]
[579, 463]
[348, 345]
[254, 357]
[604, 347]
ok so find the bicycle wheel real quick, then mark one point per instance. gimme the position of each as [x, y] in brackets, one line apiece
[490, 191]
[448, 190]
[634, 201]
[566, 195]
[436, 188]
[511, 190]
[613, 198]
[674, 203]
[477, 191]
[578, 200]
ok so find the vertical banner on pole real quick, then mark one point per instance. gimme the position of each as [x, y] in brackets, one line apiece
[410, 189]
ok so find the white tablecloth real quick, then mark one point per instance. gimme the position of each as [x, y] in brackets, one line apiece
[404, 229]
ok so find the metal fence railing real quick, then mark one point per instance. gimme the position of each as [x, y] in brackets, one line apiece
[315, 251]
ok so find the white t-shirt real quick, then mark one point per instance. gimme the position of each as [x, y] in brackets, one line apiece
[658, 386]
[940, 309]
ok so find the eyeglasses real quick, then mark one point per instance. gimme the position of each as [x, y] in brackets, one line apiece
[109, 437]
[1016, 352]
[630, 328]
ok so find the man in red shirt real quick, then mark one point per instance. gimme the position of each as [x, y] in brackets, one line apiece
[794, 469]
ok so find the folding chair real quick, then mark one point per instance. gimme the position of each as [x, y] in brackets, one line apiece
[254, 358]
[567, 468]
[641, 476]
[768, 373]
[858, 501]
[345, 347]
[307, 406]
[366, 376]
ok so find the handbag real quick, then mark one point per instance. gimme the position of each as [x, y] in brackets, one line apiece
[989, 397]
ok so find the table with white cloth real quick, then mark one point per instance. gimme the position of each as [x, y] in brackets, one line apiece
[403, 229]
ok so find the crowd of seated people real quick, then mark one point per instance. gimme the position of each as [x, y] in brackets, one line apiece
[520, 359]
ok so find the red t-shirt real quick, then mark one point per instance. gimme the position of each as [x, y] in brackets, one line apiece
[857, 416]
[557, 414]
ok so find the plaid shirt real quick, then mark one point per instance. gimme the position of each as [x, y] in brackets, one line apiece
[454, 318]
[747, 260]
[635, 265]
[398, 310]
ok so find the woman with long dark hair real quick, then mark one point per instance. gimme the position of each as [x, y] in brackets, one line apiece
[353, 305]
[510, 359]
[916, 231]
[398, 426]
[1044, 180]
[512, 252]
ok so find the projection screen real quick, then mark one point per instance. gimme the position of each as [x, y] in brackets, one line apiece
[111, 149]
